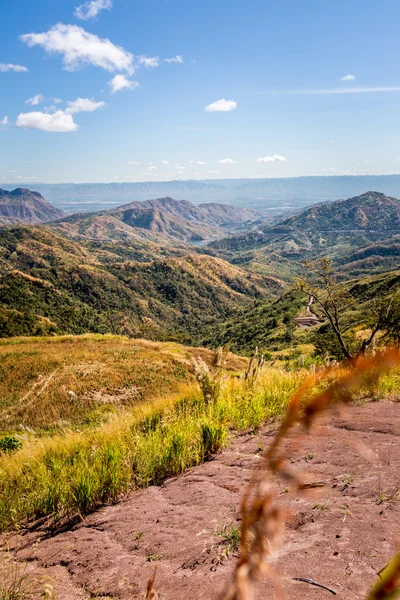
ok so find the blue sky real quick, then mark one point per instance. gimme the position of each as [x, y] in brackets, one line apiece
[270, 72]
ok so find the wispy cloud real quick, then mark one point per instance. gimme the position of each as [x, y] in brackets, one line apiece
[82, 105]
[175, 59]
[221, 106]
[227, 161]
[4, 124]
[348, 77]
[347, 90]
[273, 158]
[164, 162]
[59, 121]
[120, 82]
[133, 162]
[90, 10]
[148, 61]
[5, 67]
[35, 100]
[80, 48]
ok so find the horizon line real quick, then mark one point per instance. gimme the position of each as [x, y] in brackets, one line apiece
[19, 185]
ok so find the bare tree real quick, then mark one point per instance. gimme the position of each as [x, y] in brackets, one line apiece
[333, 298]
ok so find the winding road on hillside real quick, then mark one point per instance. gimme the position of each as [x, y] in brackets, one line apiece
[341, 535]
[309, 320]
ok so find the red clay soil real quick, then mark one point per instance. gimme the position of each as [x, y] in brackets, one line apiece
[340, 535]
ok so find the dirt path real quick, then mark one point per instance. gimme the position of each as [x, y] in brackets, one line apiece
[311, 318]
[341, 535]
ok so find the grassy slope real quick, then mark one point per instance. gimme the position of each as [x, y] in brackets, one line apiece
[70, 473]
[55, 383]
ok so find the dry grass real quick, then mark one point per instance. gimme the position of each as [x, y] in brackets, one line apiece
[56, 383]
[20, 581]
[71, 473]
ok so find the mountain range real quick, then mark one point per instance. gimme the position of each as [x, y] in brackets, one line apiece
[163, 218]
[276, 194]
[132, 270]
[361, 234]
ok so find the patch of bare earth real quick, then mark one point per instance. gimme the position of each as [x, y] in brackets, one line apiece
[341, 534]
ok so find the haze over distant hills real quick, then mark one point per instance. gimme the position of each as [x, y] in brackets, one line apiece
[287, 193]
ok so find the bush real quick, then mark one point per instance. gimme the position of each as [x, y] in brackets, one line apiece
[10, 444]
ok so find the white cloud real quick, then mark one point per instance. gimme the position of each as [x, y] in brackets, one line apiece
[90, 10]
[214, 172]
[148, 61]
[55, 122]
[221, 106]
[152, 168]
[348, 77]
[133, 162]
[35, 100]
[164, 162]
[79, 48]
[227, 161]
[5, 67]
[82, 105]
[4, 124]
[180, 168]
[176, 59]
[273, 158]
[200, 162]
[120, 82]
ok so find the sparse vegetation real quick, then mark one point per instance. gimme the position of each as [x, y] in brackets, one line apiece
[71, 473]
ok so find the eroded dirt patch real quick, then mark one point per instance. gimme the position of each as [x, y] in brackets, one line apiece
[341, 534]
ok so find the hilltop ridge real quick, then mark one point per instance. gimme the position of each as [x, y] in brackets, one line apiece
[166, 217]
[25, 206]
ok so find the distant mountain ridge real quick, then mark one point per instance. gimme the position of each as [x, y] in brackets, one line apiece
[177, 219]
[339, 230]
[257, 193]
[371, 210]
[25, 206]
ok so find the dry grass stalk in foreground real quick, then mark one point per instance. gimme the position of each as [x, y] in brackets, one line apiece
[19, 582]
[262, 516]
[151, 593]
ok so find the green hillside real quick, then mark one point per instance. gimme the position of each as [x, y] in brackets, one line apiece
[50, 284]
[270, 325]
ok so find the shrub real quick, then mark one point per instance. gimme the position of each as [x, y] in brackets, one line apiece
[10, 444]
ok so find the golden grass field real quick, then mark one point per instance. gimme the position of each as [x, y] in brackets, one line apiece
[54, 383]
